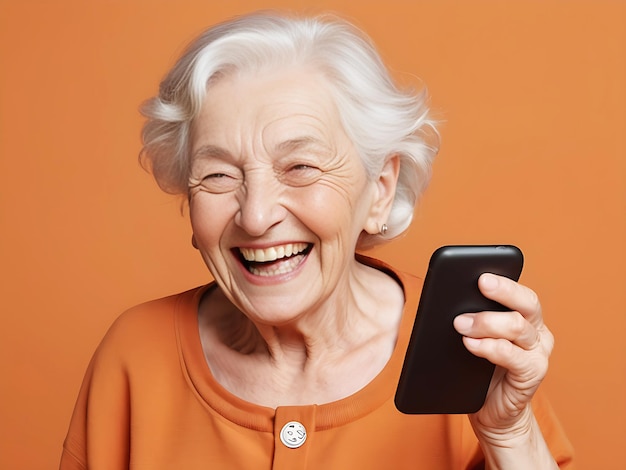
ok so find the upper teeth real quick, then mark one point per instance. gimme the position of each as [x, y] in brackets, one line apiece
[272, 253]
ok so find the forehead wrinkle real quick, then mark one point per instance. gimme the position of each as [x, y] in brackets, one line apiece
[296, 121]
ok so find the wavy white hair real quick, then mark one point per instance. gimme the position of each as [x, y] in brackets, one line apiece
[380, 118]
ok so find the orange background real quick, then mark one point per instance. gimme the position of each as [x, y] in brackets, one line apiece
[533, 95]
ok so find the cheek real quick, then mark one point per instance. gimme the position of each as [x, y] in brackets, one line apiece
[209, 218]
[323, 200]
[332, 209]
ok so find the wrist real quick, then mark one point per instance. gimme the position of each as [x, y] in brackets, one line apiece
[518, 445]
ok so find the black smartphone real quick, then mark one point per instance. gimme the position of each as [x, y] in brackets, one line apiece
[439, 375]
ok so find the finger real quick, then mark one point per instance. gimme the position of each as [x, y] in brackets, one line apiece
[522, 366]
[511, 326]
[512, 295]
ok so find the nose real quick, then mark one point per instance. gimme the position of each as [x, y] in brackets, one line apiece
[260, 205]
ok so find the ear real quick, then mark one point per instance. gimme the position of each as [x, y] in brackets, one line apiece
[384, 194]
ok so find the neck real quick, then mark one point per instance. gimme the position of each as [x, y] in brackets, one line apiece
[335, 350]
[351, 313]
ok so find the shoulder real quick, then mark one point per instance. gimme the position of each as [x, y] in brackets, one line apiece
[147, 326]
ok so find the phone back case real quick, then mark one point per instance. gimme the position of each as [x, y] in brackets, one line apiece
[439, 374]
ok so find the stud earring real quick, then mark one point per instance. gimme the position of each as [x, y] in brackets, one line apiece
[383, 229]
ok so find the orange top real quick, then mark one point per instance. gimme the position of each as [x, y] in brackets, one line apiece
[149, 401]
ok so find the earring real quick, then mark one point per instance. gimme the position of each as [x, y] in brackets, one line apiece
[383, 229]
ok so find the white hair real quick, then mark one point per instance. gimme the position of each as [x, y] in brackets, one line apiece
[380, 119]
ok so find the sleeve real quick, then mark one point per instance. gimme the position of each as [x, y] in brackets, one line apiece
[70, 462]
[98, 435]
[553, 433]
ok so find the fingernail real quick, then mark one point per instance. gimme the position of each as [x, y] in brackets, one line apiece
[463, 323]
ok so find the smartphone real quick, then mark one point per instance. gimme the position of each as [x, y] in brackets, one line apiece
[439, 375]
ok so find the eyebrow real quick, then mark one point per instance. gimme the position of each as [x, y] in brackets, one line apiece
[210, 151]
[298, 143]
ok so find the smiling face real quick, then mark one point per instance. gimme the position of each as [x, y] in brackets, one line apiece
[278, 193]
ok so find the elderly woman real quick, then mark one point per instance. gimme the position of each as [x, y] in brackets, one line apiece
[295, 149]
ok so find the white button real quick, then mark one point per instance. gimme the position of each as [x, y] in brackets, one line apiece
[293, 434]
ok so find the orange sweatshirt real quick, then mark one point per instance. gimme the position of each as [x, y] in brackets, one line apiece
[149, 402]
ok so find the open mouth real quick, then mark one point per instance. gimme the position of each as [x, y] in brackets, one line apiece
[275, 260]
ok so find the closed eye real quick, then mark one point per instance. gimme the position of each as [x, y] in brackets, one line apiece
[301, 174]
[302, 167]
[217, 183]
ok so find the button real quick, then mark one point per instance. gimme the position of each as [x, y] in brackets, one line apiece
[293, 434]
